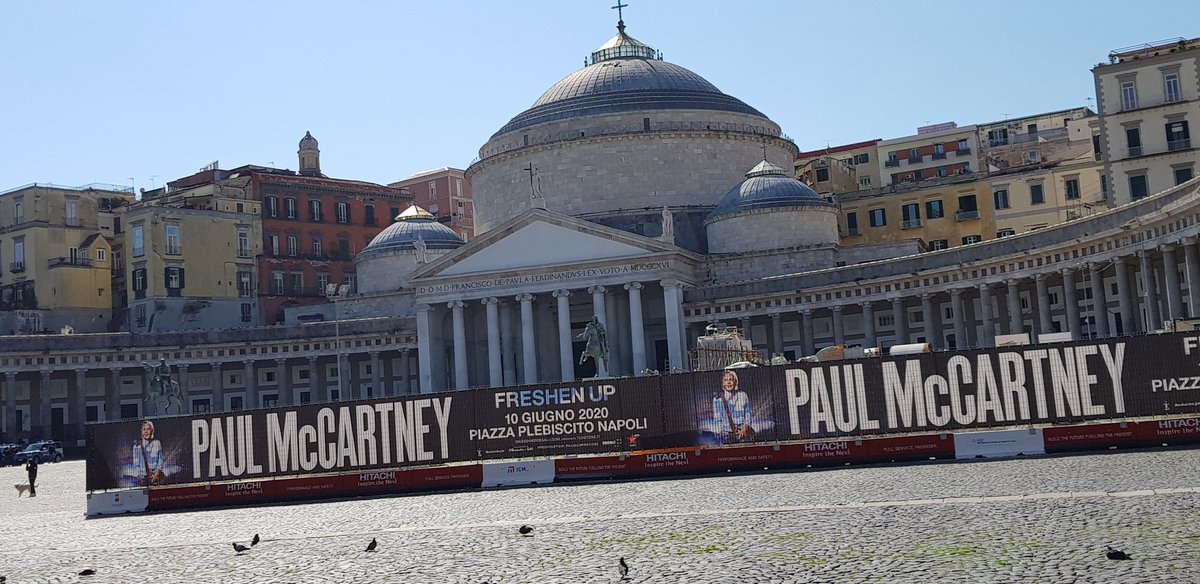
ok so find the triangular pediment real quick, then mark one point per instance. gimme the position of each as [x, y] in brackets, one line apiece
[539, 238]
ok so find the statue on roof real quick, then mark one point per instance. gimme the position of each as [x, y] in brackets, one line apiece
[421, 247]
[668, 225]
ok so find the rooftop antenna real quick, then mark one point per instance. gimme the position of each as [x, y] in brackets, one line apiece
[1089, 102]
[620, 16]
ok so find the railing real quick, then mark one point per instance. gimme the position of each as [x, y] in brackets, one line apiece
[939, 156]
[892, 162]
[915, 159]
[963, 151]
[16, 267]
[994, 142]
[1051, 134]
[66, 261]
[244, 253]
[1135, 151]
[966, 215]
[87, 187]
[1147, 103]
[174, 249]
[1177, 145]
[910, 224]
[72, 222]
[853, 232]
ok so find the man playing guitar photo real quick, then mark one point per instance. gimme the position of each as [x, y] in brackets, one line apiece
[731, 411]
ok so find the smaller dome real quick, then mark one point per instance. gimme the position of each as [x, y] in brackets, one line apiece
[308, 142]
[767, 186]
[413, 224]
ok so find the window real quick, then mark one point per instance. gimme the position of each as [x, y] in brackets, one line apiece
[274, 239]
[296, 283]
[1031, 129]
[139, 283]
[939, 148]
[139, 242]
[1033, 155]
[235, 403]
[174, 243]
[933, 209]
[1171, 87]
[272, 206]
[862, 158]
[1104, 185]
[1000, 198]
[964, 146]
[72, 212]
[243, 244]
[292, 246]
[1036, 195]
[1097, 152]
[1133, 137]
[344, 248]
[1178, 137]
[968, 240]
[1072, 187]
[393, 213]
[1128, 95]
[432, 189]
[277, 283]
[822, 174]
[322, 282]
[1138, 187]
[966, 203]
[289, 207]
[19, 253]
[852, 223]
[18, 212]
[891, 156]
[877, 217]
[101, 255]
[910, 213]
[938, 244]
[314, 211]
[369, 214]
[343, 212]
[174, 279]
[864, 181]
[1005, 232]
[1182, 175]
[245, 284]
[139, 314]
[458, 185]
[317, 248]
[352, 281]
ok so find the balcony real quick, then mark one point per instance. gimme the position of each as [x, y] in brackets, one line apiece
[966, 215]
[915, 159]
[939, 156]
[174, 249]
[244, 253]
[16, 267]
[1177, 145]
[70, 262]
[853, 232]
[963, 151]
[1135, 151]
[892, 163]
[910, 224]
[73, 222]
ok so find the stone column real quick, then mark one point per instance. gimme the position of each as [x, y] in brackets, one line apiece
[637, 334]
[598, 306]
[672, 298]
[376, 376]
[1015, 325]
[460, 344]
[1071, 302]
[317, 392]
[985, 315]
[1171, 278]
[899, 322]
[566, 360]
[491, 306]
[424, 349]
[218, 388]
[251, 385]
[809, 338]
[184, 389]
[528, 351]
[1099, 301]
[868, 317]
[745, 324]
[508, 344]
[1191, 257]
[79, 403]
[957, 320]
[839, 338]
[285, 382]
[1125, 305]
[776, 333]
[405, 372]
[112, 395]
[1154, 317]
[933, 333]
[1043, 301]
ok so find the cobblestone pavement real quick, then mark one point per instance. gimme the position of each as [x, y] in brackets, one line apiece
[1043, 519]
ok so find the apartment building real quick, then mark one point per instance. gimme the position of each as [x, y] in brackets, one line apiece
[446, 194]
[840, 169]
[943, 213]
[935, 151]
[1148, 95]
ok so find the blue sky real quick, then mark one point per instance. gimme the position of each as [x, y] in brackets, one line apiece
[113, 91]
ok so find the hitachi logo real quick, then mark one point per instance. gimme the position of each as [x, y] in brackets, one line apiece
[666, 457]
[376, 476]
[244, 487]
[1189, 423]
[825, 446]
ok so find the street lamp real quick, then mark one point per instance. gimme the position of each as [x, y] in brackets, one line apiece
[334, 293]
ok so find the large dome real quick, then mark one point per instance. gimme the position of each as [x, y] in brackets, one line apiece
[767, 186]
[412, 225]
[625, 76]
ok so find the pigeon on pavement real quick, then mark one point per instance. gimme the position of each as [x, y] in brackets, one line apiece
[1115, 554]
[623, 568]
[371, 546]
[239, 548]
[254, 541]
[525, 530]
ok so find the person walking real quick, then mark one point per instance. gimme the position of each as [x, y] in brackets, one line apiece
[31, 468]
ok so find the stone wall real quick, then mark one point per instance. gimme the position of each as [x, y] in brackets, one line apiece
[773, 229]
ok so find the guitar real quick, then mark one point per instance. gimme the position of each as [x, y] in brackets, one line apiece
[151, 478]
[737, 434]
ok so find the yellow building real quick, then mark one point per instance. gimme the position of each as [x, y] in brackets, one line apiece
[190, 257]
[56, 256]
[1027, 199]
[947, 213]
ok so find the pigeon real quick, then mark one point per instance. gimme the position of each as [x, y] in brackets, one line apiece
[239, 548]
[525, 530]
[87, 572]
[254, 541]
[1115, 554]
[623, 568]
[371, 546]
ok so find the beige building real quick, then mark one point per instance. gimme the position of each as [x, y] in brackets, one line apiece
[1032, 140]
[190, 257]
[1029, 198]
[57, 255]
[935, 151]
[1148, 96]
[858, 169]
[948, 213]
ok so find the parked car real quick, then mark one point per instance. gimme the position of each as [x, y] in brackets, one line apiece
[44, 451]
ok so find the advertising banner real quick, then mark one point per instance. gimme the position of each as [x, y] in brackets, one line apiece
[1156, 375]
